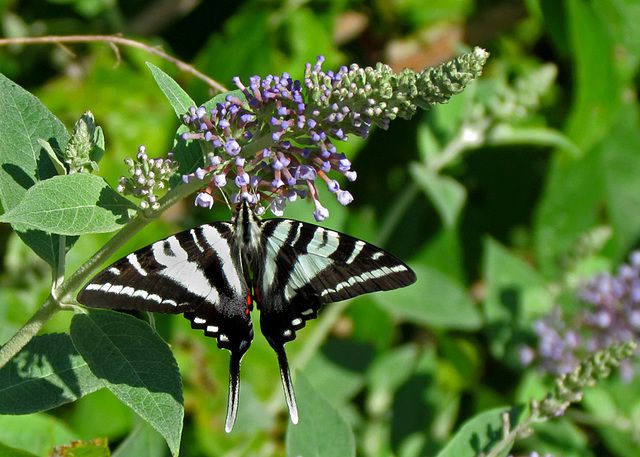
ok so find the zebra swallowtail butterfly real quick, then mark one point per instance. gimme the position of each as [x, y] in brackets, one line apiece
[214, 273]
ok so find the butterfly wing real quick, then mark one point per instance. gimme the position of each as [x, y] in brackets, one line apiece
[192, 272]
[306, 266]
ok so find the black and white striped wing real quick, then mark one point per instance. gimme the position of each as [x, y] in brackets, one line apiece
[306, 266]
[192, 272]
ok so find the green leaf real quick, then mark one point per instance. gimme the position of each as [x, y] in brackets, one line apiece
[480, 434]
[73, 204]
[447, 194]
[85, 422]
[24, 122]
[435, 300]
[321, 431]
[516, 294]
[53, 156]
[620, 172]
[36, 433]
[46, 373]
[136, 365]
[6, 451]
[613, 403]
[178, 98]
[336, 372]
[45, 245]
[598, 83]
[567, 209]
[143, 441]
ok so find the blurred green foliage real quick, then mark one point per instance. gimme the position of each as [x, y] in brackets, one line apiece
[490, 198]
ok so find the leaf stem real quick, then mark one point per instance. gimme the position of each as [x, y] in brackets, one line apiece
[58, 270]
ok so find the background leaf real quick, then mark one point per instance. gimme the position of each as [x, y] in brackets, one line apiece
[143, 440]
[435, 300]
[136, 365]
[542, 147]
[515, 295]
[447, 194]
[318, 420]
[47, 372]
[73, 204]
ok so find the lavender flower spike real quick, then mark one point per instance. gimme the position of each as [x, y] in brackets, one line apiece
[284, 133]
[612, 317]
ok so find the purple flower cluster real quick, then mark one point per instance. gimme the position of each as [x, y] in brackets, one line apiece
[271, 140]
[298, 140]
[613, 317]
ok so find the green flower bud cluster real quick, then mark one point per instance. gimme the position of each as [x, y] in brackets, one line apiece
[86, 146]
[379, 95]
[148, 177]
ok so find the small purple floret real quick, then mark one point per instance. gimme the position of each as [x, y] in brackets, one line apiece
[204, 200]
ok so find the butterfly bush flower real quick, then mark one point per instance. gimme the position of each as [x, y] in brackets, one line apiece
[147, 177]
[613, 317]
[276, 139]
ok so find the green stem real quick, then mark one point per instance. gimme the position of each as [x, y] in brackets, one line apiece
[456, 147]
[58, 270]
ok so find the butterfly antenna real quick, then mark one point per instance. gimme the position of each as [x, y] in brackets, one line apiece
[287, 384]
[234, 390]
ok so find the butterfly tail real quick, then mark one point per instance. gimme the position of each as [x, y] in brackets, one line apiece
[287, 384]
[234, 389]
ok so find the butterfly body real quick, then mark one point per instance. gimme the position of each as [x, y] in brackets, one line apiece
[216, 272]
